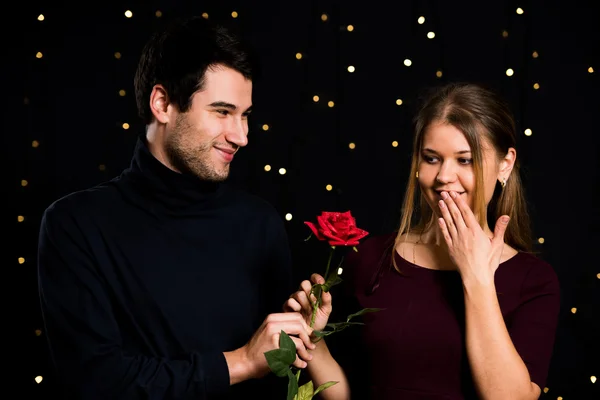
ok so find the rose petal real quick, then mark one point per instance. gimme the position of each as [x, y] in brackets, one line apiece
[314, 229]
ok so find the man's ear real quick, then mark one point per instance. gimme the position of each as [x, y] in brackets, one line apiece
[159, 104]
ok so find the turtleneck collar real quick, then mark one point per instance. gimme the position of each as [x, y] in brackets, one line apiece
[175, 191]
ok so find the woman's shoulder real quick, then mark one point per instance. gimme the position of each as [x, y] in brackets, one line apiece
[537, 273]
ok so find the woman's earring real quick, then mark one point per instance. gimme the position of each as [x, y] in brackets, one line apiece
[417, 175]
[503, 183]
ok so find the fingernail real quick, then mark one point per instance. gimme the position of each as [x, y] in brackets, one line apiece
[505, 219]
[444, 195]
[453, 194]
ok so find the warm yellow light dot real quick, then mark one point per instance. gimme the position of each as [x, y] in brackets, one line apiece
[324, 17]
[430, 35]
[328, 188]
[122, 92]
[38, 332]
[205, 15]
[591, 70]
[265, 127]
[128, 14]
[559, 398]
[298, 56]
[350, 28]
[438, 73]
[505, 34]
[158, 13]
[546, 390]
[351, 68]
[510, 72]
[267, 167]
[541, 240]
[35, 143]
[288, 217]
[39, 54]
[40, 17]
[21, 260]
[20, 218]
[125, 125]
[519, 11]
[395, 143]
[421, 20]
[330, 103]
[574, 310]
[24, 182]
[535, 54]
[399, 102]
[102, 167]
[407, 62]
[593, 379]
[528, 132]
[315, 98]
[117, 55]
[352, 146]
[282, 171]
[536, 86]
[234, 14]
[39, 379]
[598, 275]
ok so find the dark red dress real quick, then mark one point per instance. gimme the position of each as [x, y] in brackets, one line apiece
[415, 347]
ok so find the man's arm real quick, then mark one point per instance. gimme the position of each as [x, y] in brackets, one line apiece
[85, 339]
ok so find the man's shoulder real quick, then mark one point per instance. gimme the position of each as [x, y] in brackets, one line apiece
[86, 201]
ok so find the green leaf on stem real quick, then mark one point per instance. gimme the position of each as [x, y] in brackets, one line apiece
[363, 311]
[280, 359]
[309, 236]
[292, 385]
[305, 392]
[324, 386]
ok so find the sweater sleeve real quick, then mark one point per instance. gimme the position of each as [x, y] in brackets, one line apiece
[533, 325]
[279, 264]
[83, 335]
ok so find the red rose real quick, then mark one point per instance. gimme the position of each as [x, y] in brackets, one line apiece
[338, 228]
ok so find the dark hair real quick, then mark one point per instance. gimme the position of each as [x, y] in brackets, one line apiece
[178, 57]
[480, 114]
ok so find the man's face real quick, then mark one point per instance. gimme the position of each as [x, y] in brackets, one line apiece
[206, 137]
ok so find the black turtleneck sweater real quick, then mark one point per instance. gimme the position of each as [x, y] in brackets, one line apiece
[147, 279]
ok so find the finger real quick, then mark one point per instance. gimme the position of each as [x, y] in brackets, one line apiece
[301, 350]
[444, 229]
[300, 363]
[500, 229]
[316, 278]
[456, 214]
[305, 286]
[326, 300]
[465, 210]
[297, 327]
[302, 299]
[449, 222]
[292, 305]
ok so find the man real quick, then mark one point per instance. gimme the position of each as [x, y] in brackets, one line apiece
[165, 282]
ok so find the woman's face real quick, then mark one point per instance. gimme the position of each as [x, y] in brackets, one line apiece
[446, 164]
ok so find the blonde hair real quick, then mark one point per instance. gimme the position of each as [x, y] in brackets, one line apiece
[482, 116]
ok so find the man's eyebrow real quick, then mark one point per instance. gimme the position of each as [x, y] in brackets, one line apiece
[224, 104]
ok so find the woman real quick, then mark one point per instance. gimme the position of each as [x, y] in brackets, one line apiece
[467, 310]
